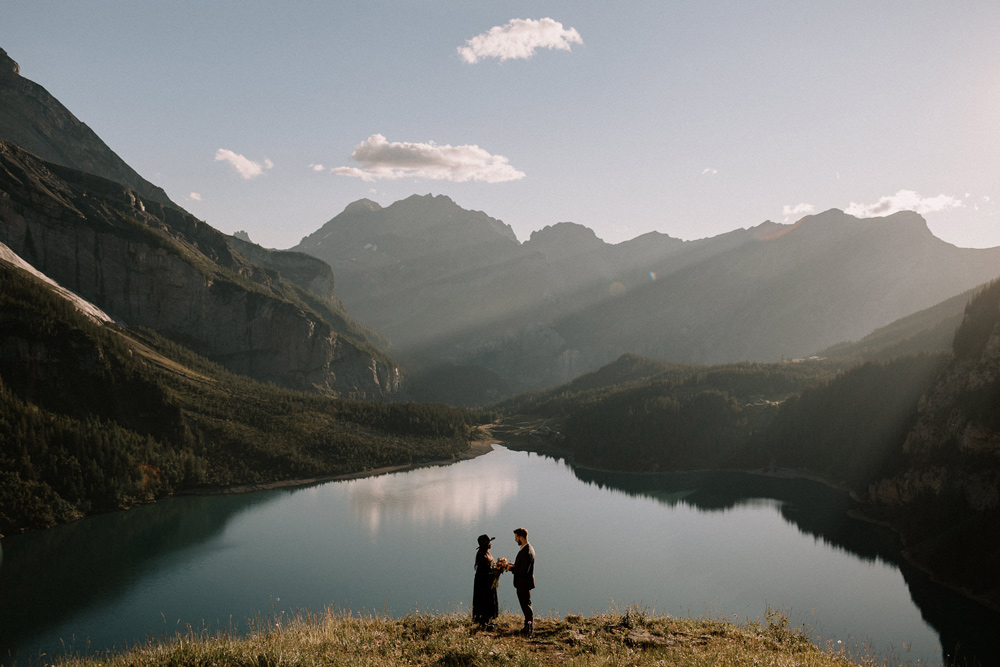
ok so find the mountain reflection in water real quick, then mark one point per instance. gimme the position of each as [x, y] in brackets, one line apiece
[436, 497]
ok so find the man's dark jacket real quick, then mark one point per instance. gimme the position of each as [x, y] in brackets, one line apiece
[524, 568]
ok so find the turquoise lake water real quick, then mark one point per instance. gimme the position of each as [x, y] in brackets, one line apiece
[726, 545]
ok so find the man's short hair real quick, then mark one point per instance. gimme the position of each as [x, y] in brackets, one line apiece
[521, 532]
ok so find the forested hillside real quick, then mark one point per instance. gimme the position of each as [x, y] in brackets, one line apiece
[644, 414]
[94, 418]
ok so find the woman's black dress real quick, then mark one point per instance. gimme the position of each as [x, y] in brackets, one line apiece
[485, 606]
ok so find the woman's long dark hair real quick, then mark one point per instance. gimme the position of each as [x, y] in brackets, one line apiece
[480, 552]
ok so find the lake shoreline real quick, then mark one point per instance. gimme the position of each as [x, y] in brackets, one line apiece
[521, 441]
[476, 448]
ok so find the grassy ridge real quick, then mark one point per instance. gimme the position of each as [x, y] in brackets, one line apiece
[629, 638]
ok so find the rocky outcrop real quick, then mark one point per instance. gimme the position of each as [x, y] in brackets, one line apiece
[304, 270]
[155, 266]
[36, 121]
[954, 446]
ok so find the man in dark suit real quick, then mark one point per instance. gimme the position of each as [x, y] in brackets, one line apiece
[524, 578]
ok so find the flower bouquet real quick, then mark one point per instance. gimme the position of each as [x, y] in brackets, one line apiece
[499, 567]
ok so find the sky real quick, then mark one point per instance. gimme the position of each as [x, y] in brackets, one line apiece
[691, 118]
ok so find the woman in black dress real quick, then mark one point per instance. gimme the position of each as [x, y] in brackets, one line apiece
[484, 590]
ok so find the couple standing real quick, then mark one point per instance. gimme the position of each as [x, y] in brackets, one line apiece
[485, 606]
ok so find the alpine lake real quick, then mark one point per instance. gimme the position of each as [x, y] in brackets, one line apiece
[724, 545]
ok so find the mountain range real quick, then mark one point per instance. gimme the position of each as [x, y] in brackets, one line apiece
[452, 287]
[467, 312]
[423, 299]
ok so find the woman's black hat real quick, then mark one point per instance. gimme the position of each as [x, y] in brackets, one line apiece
[484, 540]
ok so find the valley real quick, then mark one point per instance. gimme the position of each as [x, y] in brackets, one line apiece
[144, 354]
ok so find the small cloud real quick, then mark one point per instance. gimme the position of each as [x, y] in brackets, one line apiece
[381, 159]
[194, 196]
[709, 170]
[986, 198]
[317, 167]
[247, 168]
[904, 200]
[519, 39]
[799, 209]
[372, 191]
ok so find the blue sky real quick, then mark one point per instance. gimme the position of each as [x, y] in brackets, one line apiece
[690, 118]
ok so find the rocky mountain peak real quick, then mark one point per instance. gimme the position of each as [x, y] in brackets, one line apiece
[898, 228]
[429, 203]
[362, 206]
[564, 238]
[7, 65]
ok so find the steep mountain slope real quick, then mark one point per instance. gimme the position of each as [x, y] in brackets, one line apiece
[37, 122]
[158, 267]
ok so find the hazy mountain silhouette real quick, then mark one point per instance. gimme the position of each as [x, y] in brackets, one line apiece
[454, 286]
[828, 278]
[929, 330]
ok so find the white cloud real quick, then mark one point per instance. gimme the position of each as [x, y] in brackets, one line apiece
[317, 167]
[904, 200]
[381, 159]
[519, 39]
[709, 170]
[195, 196]
[799, 209]
[247, 168]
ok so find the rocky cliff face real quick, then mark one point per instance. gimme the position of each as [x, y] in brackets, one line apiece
[954, 446]
[37, 122]
[945, 497]
[304, 270]
[155, 266]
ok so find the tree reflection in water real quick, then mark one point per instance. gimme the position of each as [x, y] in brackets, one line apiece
[966, 626]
